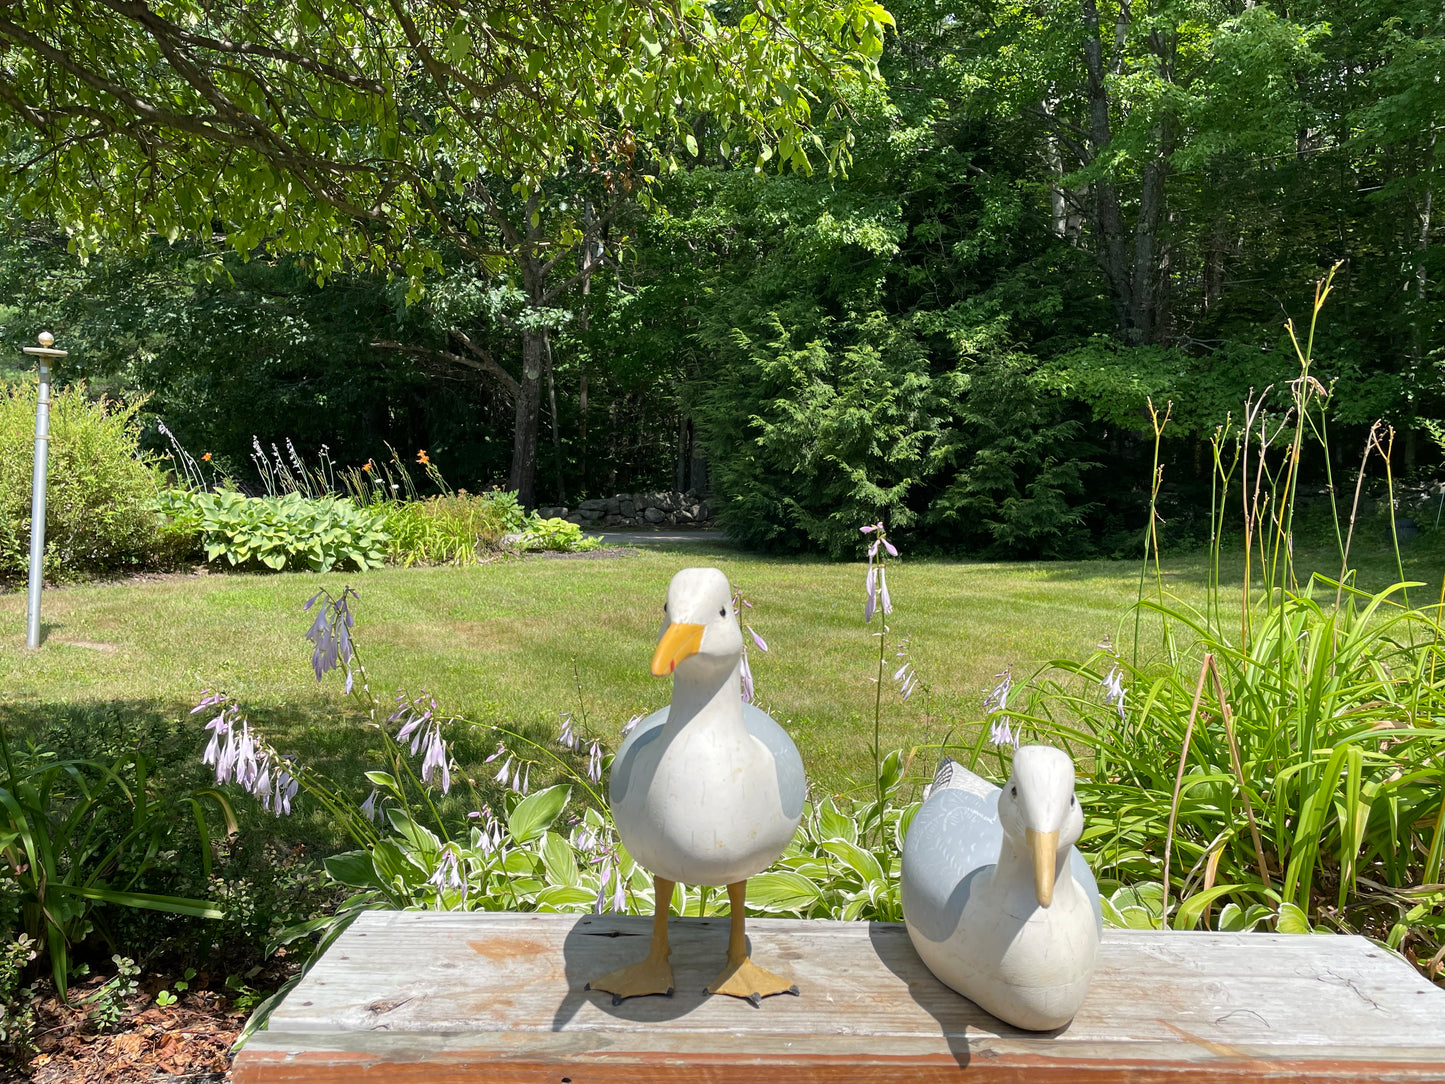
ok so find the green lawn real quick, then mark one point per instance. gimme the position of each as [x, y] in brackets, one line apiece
[497, 643]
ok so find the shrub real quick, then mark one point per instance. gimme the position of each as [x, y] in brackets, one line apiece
[100, 490]
[323, 532]
[451, 529]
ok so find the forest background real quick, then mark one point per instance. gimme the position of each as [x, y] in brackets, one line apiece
[1045, 215]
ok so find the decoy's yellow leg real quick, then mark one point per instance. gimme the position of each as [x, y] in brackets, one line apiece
[652, 975]
[741, 977]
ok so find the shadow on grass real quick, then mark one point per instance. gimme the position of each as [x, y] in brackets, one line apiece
[1373, 562]
[339, 745]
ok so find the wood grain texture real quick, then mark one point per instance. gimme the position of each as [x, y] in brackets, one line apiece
[447, 998]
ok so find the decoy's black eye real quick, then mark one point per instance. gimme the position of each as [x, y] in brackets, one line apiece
[1014, 791]
[723, 612]
[1071, 801]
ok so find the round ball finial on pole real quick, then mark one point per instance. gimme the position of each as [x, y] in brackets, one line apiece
[46, 339]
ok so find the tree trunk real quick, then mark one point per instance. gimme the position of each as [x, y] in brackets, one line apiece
[680, 475]
[1108, 221]
[697, 469]
[1417, 322]
[1058, 207]
[529, 408]
[1144, 294]
[556, 425]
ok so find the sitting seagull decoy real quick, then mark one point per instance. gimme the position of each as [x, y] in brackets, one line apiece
[998, 902]
[708, 790]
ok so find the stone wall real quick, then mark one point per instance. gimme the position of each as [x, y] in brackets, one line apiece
[637, 510]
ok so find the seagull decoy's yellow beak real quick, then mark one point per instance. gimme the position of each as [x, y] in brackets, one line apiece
[1045, 848]
[679, 640]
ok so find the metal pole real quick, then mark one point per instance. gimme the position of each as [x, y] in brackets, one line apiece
[43, 353]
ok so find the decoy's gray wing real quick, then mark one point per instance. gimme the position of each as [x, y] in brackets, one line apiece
[954, 836]
[1079, 865]
[642, 735]
[787, 762]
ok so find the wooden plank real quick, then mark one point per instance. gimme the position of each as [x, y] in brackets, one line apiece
[448, 997]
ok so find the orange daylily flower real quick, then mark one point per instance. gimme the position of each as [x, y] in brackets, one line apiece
[206, 458]
[422, 457]
[366, 466]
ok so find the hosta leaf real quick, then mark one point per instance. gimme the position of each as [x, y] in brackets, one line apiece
[783, 890]
[535, 813]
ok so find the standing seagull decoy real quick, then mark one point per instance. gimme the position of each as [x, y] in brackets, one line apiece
[708, 790]
[1018, 936]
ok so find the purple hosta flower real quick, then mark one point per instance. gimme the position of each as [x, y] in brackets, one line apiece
[876, 583]
[906, 676]
[220, 728]
[627, 728]
[246, 763]
[745, 671]
[996, 703]
[1000, 733]
[283, 789]
[1114, 689]
[330, 632]
[522, 783]
[237, 757]
[500, 750]
[567, 738]
[436, 759]
[504, 776]
[489, 834]
[421, 725]
[610, 870]
[369, 809]
[448, 875]
[414, 728]
[594, 762]
[208, 700]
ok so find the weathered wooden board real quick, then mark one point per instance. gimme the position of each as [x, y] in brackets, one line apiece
[446, 997]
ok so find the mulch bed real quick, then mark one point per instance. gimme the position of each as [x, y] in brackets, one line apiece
[185, 1043]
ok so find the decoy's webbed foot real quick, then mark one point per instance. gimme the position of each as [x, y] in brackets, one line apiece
[650, 976]
[747, 980]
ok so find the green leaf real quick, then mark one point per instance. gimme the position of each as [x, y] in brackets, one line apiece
[353, 868]
[783, 890]
[535, 813]
[151, 901]
[835, 825]
[557, 856]
[1189, 912]
[556, 897]
[1292, 919]
[858, 860]
[423, 843]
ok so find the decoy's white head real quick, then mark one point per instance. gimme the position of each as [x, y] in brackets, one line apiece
[1038, 809]
[699, 629]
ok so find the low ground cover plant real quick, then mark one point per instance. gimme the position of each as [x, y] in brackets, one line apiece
[320, 533]
[353, 519]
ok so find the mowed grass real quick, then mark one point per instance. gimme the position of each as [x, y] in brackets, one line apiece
[519, 642]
